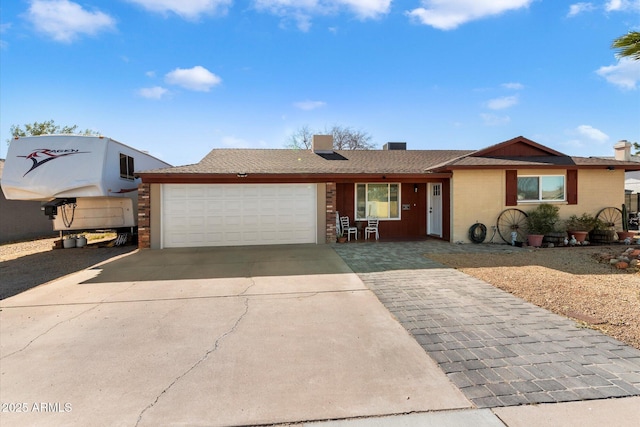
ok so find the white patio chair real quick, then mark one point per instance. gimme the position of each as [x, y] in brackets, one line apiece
[346, 228]
[371, 228]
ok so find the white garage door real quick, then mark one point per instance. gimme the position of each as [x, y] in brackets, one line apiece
[237, 214]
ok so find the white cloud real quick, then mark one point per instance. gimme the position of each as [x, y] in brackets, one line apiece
[622, 5]
[592, 133]
[64, 20]
[502, 102]
[513, 86]
[302, 11]
[155, 92]
[197, 78]
[585, 136]
[494, 120]
[4, 28]
[309, 105]
[367, 8]
[188, 9]
[450, 14]
[578, 8]
[625, 74]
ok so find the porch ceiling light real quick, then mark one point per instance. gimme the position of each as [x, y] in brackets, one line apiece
[242, 175]
[611, 168]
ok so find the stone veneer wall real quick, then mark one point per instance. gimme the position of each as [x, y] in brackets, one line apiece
[144, 216]
[331, 212]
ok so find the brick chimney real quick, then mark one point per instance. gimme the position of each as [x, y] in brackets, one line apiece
[322, 144]
[623, 150]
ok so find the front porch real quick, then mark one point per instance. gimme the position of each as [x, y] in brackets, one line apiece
[420, 210]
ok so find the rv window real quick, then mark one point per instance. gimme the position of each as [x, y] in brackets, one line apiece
[126, 166]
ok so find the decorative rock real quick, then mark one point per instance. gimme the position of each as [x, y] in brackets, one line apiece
[635, 253]
[621, 265]
[624, 259]
[614, 261]
[633, 263]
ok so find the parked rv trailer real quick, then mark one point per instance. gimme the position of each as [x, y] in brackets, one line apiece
[83, 182]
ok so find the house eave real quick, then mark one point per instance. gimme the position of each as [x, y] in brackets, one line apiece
[251, 178]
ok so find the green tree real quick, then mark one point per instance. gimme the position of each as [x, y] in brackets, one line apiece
[344, 138]
[46, 128]
[628, 45]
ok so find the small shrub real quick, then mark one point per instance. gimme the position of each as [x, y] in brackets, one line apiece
[543, 219]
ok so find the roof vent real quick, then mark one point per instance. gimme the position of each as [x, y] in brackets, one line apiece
[322, 144]
[395, 146]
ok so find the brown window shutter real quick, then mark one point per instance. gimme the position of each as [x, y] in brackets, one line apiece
[512, 188]
[572, 187]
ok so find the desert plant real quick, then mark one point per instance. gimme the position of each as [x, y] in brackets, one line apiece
[584, 222]
[543, 219]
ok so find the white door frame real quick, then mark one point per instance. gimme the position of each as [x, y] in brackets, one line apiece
[434, 209]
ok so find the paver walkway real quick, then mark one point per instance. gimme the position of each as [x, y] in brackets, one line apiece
[497, 348]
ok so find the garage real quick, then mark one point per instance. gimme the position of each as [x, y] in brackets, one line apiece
[237, 214]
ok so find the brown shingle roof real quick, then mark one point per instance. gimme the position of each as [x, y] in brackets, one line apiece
[515, 153]
[285, 161]
[529, 162]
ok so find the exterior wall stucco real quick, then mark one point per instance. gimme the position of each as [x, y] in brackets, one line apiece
[479, 196]
[476, 196]
[22, 220]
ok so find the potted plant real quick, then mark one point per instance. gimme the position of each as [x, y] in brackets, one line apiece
[602, 233]
[540, 221]
[580, 226]
[341, 237]
[625, 233]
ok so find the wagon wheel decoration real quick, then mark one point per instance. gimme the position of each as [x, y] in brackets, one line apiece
[511, 220]
[611, 217]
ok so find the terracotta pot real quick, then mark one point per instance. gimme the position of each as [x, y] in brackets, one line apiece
[624, 234]
[535, 240]
[342, 239]
[580, 236]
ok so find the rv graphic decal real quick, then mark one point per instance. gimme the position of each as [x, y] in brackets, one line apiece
[126, 190]
[41, 156]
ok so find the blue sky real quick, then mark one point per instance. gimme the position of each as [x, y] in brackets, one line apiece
[181, 77]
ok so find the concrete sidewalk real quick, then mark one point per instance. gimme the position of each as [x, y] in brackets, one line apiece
[211, 337]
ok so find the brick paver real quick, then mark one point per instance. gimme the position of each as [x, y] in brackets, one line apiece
[498, 349]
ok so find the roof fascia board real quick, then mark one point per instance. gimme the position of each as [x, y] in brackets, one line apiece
[626, 168]
[167, 178]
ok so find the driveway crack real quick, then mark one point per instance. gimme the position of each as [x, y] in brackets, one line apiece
[64, 321]
[215, 347]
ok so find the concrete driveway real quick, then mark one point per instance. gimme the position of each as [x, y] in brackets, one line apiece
[215, 336]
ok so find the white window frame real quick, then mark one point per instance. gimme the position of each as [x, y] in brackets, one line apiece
[540, 199]
[366, 192]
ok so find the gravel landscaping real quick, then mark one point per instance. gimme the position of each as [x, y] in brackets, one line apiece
[578, 282]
